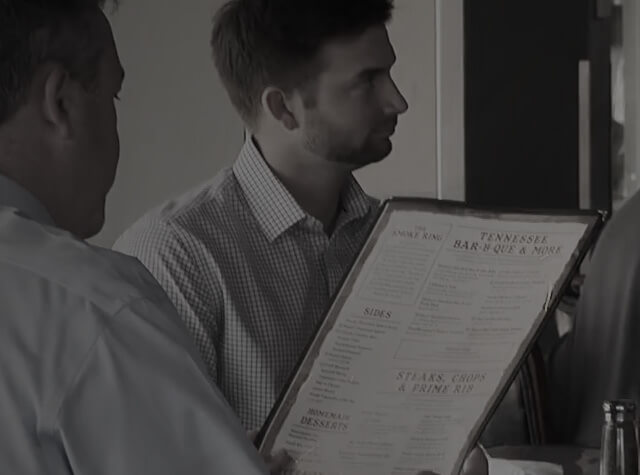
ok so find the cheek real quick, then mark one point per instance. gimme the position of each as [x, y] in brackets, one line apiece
[347, 120]
[111, 138]
[113, 129]
[107, 149]
[362, 115]
[355, 119]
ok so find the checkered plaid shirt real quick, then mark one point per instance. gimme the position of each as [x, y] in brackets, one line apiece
[250, 273]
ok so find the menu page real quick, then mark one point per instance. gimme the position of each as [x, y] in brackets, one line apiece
[428, 325]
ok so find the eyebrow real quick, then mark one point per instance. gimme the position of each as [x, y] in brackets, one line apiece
[376, 69]
[121, 74]
[370, 71]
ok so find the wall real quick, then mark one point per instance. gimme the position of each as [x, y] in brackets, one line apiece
[178, 128]
[176, 125]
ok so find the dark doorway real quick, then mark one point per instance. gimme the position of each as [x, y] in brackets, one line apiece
[523, 107]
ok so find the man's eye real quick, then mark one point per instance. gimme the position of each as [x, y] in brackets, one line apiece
[368, 80]
[117, 97]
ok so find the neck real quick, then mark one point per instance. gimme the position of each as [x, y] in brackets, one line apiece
[18, 164]
[315, 183]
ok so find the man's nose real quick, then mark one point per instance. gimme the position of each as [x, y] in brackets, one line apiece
[395, 103]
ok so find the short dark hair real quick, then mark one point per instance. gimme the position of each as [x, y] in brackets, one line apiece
[35, 31]
[257, 43]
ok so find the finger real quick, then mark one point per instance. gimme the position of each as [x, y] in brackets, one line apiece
[279, 461]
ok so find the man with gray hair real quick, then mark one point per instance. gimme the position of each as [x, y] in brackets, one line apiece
[97, 372]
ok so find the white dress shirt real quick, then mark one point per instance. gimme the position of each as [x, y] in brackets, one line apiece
[98, 375]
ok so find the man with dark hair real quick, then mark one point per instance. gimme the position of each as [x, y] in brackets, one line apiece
[252, 258]
[97, 373]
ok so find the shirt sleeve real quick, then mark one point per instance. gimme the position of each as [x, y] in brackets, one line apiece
[142, 404]
[172, 260]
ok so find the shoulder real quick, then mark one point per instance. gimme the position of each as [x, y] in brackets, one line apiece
[60, 296]
[182, 219]
[614, 266]
[106, 279]
[622, 232]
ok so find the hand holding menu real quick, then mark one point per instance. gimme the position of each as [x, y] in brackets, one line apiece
[424, 336]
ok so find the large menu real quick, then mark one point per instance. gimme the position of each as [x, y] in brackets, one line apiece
[425, 334]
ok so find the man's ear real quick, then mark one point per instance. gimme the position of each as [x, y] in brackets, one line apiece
[276, 105]
[56, 97]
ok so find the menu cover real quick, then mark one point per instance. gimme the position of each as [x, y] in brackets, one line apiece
[424, 336]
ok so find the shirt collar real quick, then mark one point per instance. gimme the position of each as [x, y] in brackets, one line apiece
[354, 201]
[13, 195]
[271, 203]
[275, 209]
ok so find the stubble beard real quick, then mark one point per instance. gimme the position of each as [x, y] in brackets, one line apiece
[335, 147]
